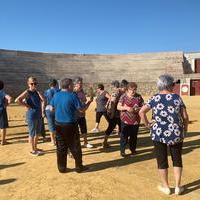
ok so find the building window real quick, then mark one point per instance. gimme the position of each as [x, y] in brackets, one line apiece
[197, 66]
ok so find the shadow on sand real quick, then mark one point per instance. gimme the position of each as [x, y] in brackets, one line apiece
[7, 181]
[190, 187]
[11, 165]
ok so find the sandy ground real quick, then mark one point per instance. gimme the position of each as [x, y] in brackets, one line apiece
[23, 176]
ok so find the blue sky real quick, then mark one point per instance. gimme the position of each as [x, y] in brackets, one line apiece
[100, 26]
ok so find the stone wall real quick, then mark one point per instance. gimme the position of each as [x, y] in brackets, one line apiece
[144, 69]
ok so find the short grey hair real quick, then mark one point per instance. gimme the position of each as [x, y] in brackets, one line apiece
[77, 79]
[165, 82]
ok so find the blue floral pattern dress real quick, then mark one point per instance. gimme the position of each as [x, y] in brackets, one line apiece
[166, 113]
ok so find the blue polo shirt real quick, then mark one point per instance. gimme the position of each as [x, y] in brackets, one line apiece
[65, 104]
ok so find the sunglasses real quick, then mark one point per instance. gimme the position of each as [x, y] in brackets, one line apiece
[33, 83]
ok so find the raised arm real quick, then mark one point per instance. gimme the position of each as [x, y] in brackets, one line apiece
[8, 99]
[20, 99]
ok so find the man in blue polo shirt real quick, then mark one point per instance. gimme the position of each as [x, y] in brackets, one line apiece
[66, 104]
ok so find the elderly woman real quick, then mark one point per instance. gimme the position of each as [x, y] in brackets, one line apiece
[129, 105]
[170, 120]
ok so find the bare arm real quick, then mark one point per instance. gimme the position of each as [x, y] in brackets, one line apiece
[107, 95]
[20, 99]
[42, 99]
[185, 118]
[8, 99]
[83, 109]
[88, 103]
[143, 111]
[121, 107]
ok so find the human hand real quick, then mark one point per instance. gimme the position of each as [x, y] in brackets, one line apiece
[151, 123]
[136, 108]
[129, 109]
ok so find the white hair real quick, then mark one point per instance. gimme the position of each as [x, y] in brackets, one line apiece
[165, 82]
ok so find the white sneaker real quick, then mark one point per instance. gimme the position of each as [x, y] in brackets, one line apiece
[88, 145]
[36, 153]
[95, 130]
[40, 153]
[164, 190]
[179, 190]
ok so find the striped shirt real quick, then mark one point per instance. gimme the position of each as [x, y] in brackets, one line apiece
[129, 117]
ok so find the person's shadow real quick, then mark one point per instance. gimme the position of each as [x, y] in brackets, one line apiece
[190, 187]
[11, 165]
[10, 180]
[6, 181]
[98, 166]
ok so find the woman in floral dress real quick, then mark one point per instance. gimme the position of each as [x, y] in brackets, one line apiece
[170, 121]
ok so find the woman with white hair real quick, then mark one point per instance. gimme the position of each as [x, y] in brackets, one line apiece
[170, 121]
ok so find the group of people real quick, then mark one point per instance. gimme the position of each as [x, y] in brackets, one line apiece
[120, 108]
[65, 109]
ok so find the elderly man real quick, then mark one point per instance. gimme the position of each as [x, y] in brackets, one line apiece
[66, 104]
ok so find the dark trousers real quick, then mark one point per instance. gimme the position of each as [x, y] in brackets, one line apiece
[161, 154]
[112, 123]
[67, 137]
[100, 114]
[128, 135]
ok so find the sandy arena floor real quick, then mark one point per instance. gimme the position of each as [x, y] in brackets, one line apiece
[110, 177]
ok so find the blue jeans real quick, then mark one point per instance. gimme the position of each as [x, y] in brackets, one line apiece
[34, 121]
[51, 120]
